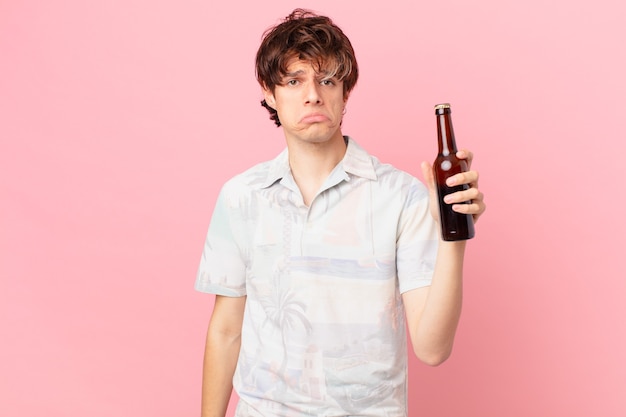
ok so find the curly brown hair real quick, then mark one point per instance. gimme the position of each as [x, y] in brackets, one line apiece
[306, 36]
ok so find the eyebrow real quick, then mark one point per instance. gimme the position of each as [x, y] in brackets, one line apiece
[294, 74]
[319, 75]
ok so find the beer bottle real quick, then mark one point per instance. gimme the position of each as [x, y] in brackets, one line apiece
[454, 226]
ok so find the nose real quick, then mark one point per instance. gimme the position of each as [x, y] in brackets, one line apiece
[312, 93]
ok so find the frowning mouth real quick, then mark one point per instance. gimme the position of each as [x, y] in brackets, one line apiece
[314, 118]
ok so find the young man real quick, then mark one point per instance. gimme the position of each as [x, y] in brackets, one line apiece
[319, 256]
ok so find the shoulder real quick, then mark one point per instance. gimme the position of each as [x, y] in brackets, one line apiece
[388, 181]
[251, 177]
[397, 180]
[360, 162]
[236, 193]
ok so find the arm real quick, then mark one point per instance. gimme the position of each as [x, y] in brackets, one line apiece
[221, 352]
[433, 312]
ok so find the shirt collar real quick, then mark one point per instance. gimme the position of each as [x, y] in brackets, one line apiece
[356, 162]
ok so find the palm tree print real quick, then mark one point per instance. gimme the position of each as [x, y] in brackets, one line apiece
[285, 313]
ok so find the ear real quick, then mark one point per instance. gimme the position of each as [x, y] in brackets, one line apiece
[269, 98]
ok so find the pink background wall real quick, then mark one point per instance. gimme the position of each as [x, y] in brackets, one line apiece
[120, 120]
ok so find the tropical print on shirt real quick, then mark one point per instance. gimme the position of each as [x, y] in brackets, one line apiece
[324, 327]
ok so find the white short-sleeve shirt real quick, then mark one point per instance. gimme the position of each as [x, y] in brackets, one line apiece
[324, 327]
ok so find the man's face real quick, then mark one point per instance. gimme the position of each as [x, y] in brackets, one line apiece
[309, 104]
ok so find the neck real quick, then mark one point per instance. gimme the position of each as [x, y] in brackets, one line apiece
[311, 163]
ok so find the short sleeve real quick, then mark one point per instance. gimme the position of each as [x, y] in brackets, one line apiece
[222, 269]
[418, 240]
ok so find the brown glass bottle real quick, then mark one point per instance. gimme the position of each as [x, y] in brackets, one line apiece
[454, 226]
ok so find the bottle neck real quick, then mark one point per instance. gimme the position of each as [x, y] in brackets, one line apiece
[445, 133]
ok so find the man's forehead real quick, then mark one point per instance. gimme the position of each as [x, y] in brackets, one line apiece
[297, 66]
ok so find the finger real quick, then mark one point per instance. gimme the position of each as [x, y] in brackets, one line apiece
[475, 208]
[467, 155]
[472, 195]
[468, 177]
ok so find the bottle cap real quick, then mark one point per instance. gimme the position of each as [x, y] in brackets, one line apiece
[442, 106]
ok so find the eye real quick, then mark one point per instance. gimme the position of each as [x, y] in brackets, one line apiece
[292, 82]
[327, 81]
